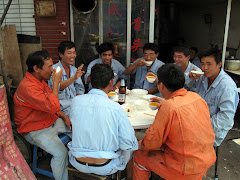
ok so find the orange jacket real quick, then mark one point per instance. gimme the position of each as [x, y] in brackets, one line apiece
[36, 107]
[182, 129]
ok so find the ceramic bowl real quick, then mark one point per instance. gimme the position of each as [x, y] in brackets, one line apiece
[197, 72]
[153, 105]
[112, 94]
[139, 92]
[141, 104]
[149, 63]
[151, 79]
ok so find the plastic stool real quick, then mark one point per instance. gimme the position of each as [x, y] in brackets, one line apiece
[64, 138]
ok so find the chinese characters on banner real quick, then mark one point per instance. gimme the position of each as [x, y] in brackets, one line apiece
[12, 163]
[136, 44]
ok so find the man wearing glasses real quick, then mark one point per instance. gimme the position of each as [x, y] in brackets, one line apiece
[148, 63]
[105, 52]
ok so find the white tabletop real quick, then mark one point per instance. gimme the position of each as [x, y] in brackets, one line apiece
[139, 119]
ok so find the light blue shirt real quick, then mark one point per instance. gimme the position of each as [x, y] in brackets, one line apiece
[197, 62]
[188, 81]
[116, 66]
[100, 127]
[141, 72]
[67, 94]
[222, 99]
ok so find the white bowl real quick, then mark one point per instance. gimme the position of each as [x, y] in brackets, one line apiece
[139, 92]
[153, 105]
[148, 97]
[149, 63]
[197, 72]
[141, 104]
[129, 108]
[112, 94]
[151, 79]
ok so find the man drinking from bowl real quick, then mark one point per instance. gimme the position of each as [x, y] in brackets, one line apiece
[148, 63]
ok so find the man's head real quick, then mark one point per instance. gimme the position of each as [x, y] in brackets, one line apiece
[181, 56]
[105, 52]
[40, 64]
[194, 52]
[170, 79]
[67, 52]
[101, 75]
[211, 62]
[151, 51]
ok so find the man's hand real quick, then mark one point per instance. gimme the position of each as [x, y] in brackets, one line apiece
[194, 76]
[66, 120]
[152, 74]
[157, 99]
[141, 62]
[79, 72]
[57, 77]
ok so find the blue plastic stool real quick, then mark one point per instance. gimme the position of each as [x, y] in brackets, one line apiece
[64, 138]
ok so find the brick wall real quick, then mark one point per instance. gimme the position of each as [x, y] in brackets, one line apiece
[53, 30]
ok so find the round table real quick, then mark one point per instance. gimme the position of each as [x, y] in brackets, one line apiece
[139, 119]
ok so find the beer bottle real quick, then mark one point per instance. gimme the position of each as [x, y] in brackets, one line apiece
[122, 92]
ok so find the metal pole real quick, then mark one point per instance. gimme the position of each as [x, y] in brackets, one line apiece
[129, 21]
[226, 32]
[151, 21]
[100, 22]
[5, 11]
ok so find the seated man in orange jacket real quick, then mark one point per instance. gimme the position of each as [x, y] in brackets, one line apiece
[179, 143]
[37, 111]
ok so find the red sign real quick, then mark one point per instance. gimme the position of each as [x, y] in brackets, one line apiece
[12, 163]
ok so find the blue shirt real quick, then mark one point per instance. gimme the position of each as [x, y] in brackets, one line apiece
[141, 72]
[222, 99]
[100, 127]
[190, 83]
[66, 95]
[116, 66]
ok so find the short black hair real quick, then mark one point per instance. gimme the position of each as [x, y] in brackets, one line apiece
[194, 49]
[186, 51]
[100, 76]
[214, 52]
[37, 58]
[151, 46]
[171, 76]
[65, 45]
[106, 46]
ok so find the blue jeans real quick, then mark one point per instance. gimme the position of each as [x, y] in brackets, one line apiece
[48, 140]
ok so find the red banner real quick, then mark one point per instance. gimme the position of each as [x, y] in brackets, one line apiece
[12, 163]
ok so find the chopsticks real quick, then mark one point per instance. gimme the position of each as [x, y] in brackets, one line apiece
[149, 114]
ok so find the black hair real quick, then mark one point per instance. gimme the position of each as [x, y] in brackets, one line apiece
[214, 52]
[151, 46]
[100, 76]
[171, 76]
[106, 46]
[37, 58]
[194, 49]
[65, 45]
[186, 51]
